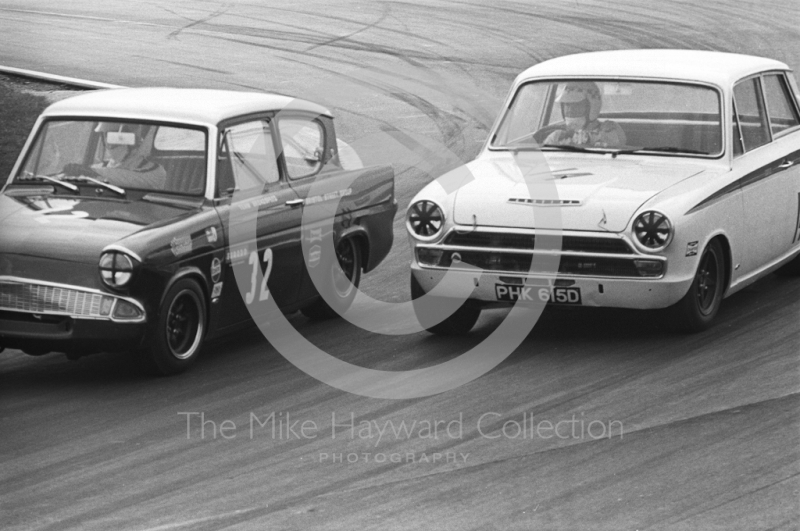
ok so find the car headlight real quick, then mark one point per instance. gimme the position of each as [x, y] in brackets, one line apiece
[652, 231]
[425, 220]
[116, 269]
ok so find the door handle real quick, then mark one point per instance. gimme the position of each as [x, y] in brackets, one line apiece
[295, 202]
[786, 164]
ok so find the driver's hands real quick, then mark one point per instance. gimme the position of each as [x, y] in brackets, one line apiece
[581, 138]
[73, 169]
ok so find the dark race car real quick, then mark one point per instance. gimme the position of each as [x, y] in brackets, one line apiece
[117, 221]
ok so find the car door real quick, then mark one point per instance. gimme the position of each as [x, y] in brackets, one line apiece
[254, 193]
[302, 142]
[770, 166]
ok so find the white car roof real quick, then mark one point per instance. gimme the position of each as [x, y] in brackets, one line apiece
[198, 106]
[717, 68]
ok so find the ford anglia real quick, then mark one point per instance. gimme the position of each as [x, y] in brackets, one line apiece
[118, 221]
[674, 175]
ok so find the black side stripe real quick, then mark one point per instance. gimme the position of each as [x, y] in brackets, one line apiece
[751, 178]
[716, 196]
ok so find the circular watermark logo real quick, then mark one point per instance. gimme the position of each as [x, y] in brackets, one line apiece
[314, 219]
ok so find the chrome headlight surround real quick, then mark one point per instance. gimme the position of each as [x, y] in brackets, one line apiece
[116, 269]
[652, 231]
[425, 220]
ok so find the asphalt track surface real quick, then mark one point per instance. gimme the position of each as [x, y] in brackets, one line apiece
[710, 421]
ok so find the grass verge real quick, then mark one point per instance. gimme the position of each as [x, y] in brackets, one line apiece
[21, 102]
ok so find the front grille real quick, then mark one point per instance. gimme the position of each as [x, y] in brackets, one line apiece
[45, 299]
[569, 265]
[584, 244]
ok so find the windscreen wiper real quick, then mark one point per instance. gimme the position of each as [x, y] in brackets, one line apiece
[577, 149]
[98, 182]
[59, 182]
[661, 149]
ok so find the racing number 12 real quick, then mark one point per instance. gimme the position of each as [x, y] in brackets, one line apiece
[253, 261]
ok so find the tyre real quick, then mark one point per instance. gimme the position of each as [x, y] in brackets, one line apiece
[698, 308]
[458, 323]
[341, 283]
[792, 269]
[175, 337]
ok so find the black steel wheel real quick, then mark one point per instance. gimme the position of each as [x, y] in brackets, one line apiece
[700, 305]
[176, 333]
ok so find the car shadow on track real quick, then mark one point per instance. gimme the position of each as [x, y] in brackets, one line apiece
[771, 302]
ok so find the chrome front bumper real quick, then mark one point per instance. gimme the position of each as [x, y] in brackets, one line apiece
[606, 267]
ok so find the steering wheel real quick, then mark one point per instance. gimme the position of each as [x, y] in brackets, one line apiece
[540, 135]
[74, 169]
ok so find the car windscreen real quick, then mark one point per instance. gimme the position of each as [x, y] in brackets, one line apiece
[155, 157]
[637, 116]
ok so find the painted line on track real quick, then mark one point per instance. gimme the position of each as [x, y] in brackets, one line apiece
[349, 158]
[52, 78]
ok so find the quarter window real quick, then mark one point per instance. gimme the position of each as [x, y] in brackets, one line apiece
[752, 117]
[782, 113]
[303, 143]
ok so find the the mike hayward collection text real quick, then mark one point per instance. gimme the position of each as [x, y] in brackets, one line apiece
[284, 426]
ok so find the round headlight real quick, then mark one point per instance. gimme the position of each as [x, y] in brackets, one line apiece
[653, 231]
[116, 269]
[425, 220]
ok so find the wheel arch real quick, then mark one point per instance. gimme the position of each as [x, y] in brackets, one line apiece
[190, 273]
[728, 255]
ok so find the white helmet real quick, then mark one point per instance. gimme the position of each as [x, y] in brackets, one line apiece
[578, 91]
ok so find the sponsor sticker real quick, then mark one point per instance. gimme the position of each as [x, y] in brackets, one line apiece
[216, 269]
[211, 234]
[216, 290]
[234, 255]
[327, 197]
[314, 255]
[314, 235]
[257, 202]
[181, 245]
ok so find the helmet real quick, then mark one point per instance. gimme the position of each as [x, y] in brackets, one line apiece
[578, 91]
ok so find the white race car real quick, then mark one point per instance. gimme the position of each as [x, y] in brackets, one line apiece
[670, 177]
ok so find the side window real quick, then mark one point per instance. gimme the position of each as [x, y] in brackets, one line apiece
[303, 143]
[750, 109]
[782, 113]
[248, 156]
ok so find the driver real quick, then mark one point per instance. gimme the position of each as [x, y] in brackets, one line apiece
[580, 106]
[124, 160]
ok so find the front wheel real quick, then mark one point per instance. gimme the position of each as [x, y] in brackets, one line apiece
[458, 323]
[340, 283]
[175, 337]
[698, 308]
